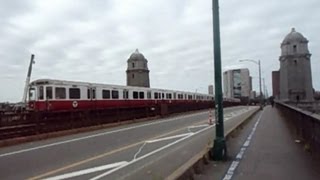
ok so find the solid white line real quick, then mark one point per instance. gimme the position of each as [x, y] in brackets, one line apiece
[87, 171]
[169, 137]
[198, 126]
[96, 135]
[239, 156]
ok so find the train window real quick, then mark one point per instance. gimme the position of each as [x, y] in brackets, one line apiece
[155, 95]
[141, 95]
[162, 95]
[106, 94]
[88, 94]
[190, 97]
[60, 93]
[168, 96]
[115, 94]
[74, 93]
[135, 95]
[93, 93]
[32, 94]
[174, 95]
[41, 93]
[125, 94]
[49, 92]
[149, 94]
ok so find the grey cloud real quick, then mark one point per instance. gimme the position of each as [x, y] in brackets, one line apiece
[92, 40]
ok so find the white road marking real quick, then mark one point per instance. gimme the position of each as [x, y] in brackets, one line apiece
[146, 155]
[235, 163]
[96, 135]
[234, 166]
[160, 139]
[198, 126]
[246, 144]
[87, 171]
[169, 137]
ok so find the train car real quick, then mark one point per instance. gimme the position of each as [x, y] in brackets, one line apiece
[60, 95]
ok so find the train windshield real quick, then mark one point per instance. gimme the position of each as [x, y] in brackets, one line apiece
[32, 94]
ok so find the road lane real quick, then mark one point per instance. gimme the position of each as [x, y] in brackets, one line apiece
[36, 158]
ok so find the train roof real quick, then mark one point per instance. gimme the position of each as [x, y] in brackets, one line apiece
[79, 83]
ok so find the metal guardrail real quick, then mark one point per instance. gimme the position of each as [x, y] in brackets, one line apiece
[306, 125]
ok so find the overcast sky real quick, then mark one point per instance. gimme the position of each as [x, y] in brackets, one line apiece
[91, 40]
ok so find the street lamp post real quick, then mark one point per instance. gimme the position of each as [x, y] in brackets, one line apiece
[259, 64]
[219, 149]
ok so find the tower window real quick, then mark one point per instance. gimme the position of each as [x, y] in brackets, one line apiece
[294, 48]
[133, 65]
[132, 76]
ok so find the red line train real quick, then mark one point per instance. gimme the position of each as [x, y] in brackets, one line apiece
[60, 95]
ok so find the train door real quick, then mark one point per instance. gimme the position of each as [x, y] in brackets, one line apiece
[125, 94]
[32, 97]
[48, 96]
[92, 96]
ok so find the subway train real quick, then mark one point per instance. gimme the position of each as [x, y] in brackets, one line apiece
[61, 95]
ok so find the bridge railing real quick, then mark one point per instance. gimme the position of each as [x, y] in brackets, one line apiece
[306, 125]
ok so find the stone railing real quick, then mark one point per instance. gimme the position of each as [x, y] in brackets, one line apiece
[306, 125]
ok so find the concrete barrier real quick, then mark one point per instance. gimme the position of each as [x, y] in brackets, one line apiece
[305, 124]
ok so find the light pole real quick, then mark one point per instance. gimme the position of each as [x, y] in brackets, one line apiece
[219, 150]
[264, 89]
[258, 63]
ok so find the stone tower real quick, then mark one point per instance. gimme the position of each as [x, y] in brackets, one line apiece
[295, 69]
[137, 71]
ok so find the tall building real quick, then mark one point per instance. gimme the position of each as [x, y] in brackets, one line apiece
[210, 89]
[236, 83]
[250, 82]
[137, 71]
[253, 94]
[295, 69]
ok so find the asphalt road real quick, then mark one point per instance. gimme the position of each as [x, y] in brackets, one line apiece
[60, 156]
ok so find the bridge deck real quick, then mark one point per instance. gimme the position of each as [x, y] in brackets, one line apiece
[271, 153]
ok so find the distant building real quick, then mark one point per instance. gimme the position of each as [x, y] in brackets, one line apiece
[210, 89]
[237, 83]
[250, 82]
[253, 95]
[295, 69]
[137, 71]
[276, 84]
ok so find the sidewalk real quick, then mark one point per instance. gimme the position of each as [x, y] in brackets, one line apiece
[272, 153]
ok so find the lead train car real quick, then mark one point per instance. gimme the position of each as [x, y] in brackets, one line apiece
[60, 95]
